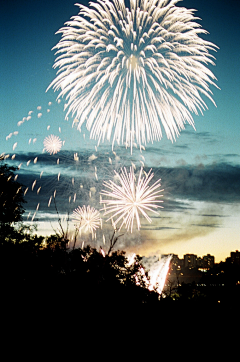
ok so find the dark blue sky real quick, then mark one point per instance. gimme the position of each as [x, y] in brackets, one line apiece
[28, 34]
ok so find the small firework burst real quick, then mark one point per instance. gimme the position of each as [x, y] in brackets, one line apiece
[129, 199]
[86, 218]
[52, 144]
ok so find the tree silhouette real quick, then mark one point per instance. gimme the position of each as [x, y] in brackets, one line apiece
[11, 196]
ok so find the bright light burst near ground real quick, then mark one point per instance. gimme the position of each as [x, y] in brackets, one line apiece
[130, 72]
[52, 144]
[87, 219]
[130, 199]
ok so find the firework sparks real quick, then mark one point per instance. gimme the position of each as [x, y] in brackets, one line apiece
[129, 199]
[65, 174]
[158, 274]
[130, 72]
[86, 218]
[52, 144]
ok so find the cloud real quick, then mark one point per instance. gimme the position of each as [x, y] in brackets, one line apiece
[182, 227]
[79, 183]
[228, 155]
[210, 225]
[212, 183]
[217, 182]
[204, 135]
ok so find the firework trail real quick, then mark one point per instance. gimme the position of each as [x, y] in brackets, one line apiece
[128, 73]
[49, 172]
[129, 199]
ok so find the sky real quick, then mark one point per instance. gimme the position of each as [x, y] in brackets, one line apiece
[200, 172]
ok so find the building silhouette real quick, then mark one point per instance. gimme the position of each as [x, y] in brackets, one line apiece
[235, 257]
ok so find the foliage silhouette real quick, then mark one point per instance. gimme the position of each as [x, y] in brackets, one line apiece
[43, 267]
[11, 196]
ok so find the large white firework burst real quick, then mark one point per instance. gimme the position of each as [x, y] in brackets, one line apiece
[52, 144]
[125, 72]
[129, 199]
[87, 219]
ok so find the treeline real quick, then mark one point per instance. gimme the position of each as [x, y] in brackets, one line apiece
[45, 268]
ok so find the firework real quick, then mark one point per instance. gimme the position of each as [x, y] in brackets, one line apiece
[69, 177]
[52, 144]
[86, 218]
[158, 273]
[130, 72]
[130, 199]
